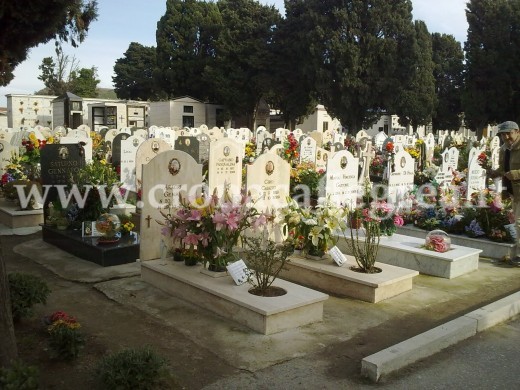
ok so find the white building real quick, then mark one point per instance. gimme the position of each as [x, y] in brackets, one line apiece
[185, 111]
[319, 120]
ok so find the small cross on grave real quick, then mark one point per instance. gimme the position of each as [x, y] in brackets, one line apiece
[148, 219]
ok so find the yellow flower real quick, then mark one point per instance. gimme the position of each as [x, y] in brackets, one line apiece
[50, 140]
[103, 161]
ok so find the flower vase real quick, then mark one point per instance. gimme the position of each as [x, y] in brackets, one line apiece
[190, 260]
[315, 253]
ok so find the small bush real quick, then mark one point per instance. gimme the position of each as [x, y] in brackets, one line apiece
[139, 368]
[19, 376]
[66, 340]
[26, 290]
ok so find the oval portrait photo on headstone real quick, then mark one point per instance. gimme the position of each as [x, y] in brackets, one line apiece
[226, 151]
[269, 168]
[403, 162]
[63, 152]
[343, 162]
[174, 166]
[155, 146]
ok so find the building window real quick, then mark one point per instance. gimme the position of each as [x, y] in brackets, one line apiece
[188, 121]
[325, 126]
[188, 109]
[75, 106]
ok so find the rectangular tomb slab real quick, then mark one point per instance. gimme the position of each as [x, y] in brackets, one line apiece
[126, 250]
[405, 251]
[490, 249]
[11, 215]
[267, 315]
[325, 275]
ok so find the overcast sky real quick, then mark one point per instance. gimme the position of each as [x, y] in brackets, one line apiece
[123, 21]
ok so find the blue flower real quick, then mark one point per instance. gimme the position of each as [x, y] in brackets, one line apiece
[474, 229]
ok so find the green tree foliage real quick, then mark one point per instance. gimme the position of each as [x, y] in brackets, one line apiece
[241, 73]
[84, 82]
[185, 46]
[292, 90]
[63, 74]
[416, 97]
[22, 27]
[134, 73]
[356, 52]
[492, 82]
[448, 72]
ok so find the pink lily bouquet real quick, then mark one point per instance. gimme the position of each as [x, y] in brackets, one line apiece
[209, 227]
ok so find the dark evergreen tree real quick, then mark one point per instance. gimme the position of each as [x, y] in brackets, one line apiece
[185, 47]
[134, 73]
[241, 74]
[492, 83]
[23, 27]
[293, 90]
[357, 51]
[448, 72]
[415, 99]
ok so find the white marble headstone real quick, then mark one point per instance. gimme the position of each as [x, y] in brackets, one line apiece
[225, 167]
[267, 179]
[129, 149]
[165, 177]
[341, 186]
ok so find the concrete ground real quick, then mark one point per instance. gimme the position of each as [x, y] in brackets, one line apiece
[322, 355]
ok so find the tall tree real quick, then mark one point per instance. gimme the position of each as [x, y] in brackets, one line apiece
[185, 46]
[415, 99]
[134, 73]
[492, 83]
[356, 51]
[63, 74]
[241, 74]
[23, 27]
[448, 72]
[56, 72]
[292, 91]
[84, 82]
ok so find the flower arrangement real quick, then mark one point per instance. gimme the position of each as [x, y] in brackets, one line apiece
[108, 225]
[250, 152]
[305, 173]
[386, 216]
[484, 160]
[66, 340]
[290, 149]
[377, 165]
[210, 227]
[313, 230]
[438, 241]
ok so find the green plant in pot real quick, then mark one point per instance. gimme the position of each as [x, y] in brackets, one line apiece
[363, 244]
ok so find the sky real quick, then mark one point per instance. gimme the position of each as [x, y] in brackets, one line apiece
[121, 22]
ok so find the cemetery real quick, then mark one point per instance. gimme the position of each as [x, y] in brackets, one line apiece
[362, 216]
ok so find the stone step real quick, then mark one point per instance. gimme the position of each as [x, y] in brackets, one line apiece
[266, 315]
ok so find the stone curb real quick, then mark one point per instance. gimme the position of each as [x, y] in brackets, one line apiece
[430, 342]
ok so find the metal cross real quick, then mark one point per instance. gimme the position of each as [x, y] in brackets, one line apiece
[148, 220]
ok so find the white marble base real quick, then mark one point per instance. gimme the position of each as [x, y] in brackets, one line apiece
[12, 217]
[267, 315]
[123, 209]
[405, 251]
[325, 275]
[490, 249]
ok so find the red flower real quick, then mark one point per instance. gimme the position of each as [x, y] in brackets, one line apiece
[390, 147]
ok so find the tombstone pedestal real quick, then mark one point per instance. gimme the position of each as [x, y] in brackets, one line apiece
[126, 250]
